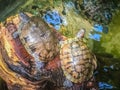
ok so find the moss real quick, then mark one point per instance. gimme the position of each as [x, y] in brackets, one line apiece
[110, 42]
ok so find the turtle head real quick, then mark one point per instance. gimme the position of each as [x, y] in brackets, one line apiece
[81, 33]
[24, 17]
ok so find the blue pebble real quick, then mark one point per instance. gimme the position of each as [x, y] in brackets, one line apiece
[67, 83]
[103, 85]
[112, 67]
[95, 36]
[105, 69]
[108, 15]
[53, 18]
[98, 27]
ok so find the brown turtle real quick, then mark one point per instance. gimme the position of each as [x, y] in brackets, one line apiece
[77, 61]
[37, 38]
[20, 63]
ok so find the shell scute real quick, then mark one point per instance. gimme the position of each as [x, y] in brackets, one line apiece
[39, 39]
[77, 61]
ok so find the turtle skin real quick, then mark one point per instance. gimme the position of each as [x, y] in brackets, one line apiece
[77, 62]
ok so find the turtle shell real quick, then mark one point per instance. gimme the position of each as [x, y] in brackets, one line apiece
[77, 62]
[39, 39]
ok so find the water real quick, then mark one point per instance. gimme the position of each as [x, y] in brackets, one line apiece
[107, 50]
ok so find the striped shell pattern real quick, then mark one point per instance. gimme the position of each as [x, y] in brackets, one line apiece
[77, 61]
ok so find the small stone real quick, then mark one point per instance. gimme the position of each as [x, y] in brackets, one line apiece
[68, 83]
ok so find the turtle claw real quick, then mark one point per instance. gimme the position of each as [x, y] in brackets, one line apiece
[67, 83]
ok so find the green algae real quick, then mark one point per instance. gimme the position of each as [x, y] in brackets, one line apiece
[110, 42]
[108, 54]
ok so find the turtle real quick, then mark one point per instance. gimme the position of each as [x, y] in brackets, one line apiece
[77, 61]
[19, 61]
[38, 39]
[30, 41]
